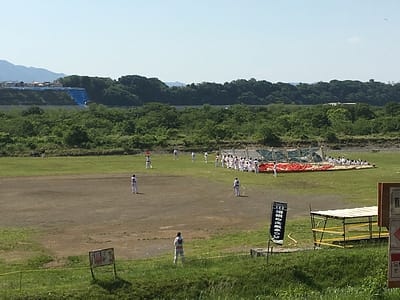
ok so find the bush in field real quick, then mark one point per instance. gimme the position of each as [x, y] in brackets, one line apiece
[159, 125]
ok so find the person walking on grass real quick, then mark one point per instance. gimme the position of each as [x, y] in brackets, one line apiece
[178, 244]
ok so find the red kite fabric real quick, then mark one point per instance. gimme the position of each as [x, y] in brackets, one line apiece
[294, 167]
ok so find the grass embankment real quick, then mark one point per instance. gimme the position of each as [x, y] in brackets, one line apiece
[212, 271]
[320, 274]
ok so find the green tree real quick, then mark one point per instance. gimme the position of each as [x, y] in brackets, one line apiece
[33, 110]
[5, 138]
[363, 127]
[340, 120]
[269, 137]
[27, 128]
[76, 136]
[392, 108]
[330, 137]
[118, 95]
[361, 110]
[147, 89]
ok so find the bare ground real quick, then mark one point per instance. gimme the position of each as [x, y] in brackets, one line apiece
[76, 214]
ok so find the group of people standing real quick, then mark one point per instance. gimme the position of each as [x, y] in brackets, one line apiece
[346, 162]
[193, 155]
[243, 164]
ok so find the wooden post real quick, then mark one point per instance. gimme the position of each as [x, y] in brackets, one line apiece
[269, 242]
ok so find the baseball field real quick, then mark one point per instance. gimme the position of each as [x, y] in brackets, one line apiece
[76, 204]
[55, 210]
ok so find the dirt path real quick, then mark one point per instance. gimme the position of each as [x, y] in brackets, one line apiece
[81, 213]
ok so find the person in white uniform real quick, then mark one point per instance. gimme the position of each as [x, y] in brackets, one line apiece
[134, 184]
[148, 162]
[236, 187]
[178, 244]
[193, 156]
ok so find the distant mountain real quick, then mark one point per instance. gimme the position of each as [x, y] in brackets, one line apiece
[11, 72]
[175, 83]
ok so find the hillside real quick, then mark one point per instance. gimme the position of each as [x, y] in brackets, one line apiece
[135, 90]
[11, 72]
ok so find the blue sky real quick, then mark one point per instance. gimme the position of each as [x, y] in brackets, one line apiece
[206, 41]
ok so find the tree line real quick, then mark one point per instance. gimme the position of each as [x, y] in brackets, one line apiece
[102, 130]
[134, 90]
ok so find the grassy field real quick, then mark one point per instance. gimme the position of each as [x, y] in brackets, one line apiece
[357, 186]
[358, 273]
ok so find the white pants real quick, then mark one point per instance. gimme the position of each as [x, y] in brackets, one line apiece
[177, 253]
[237, 192]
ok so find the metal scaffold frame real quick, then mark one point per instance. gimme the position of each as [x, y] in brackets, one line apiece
[342, 226]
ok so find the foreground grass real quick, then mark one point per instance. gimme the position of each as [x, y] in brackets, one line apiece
[315, 274]
[215, 268]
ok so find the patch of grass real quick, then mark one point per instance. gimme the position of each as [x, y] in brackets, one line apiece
[76, 260]
[20, 251]
[16, 239]
[38, 261]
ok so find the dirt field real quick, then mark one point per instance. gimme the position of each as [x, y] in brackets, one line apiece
[80, 213]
